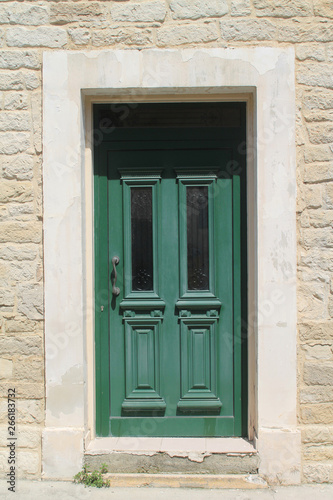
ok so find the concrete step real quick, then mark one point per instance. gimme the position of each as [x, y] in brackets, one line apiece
[172, 455]
[163, 463]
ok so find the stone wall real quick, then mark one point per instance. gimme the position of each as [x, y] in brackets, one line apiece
[29, 28]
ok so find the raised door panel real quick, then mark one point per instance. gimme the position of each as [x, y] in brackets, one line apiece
[142, 366]
[199, 367]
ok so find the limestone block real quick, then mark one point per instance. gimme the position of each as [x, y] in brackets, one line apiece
[282, 8]
[323, 8]
[18, 13]
[317, 414]
[27, 345]
[7, 298]
[4, 215]
[15, 191]
[316, 394]
[14, 121]
[14, 142]
[318, 351]
[6, 367]
[181, 35]
[318, 153]
[80, 36]
[313, 330]
[304, 219]
[248, 30]
[148, 11]
[195, 9]
[330, 306]
[2, 37]
[318, 172]
[320, 133]
[21, 211]
[328, 195]
[18, 167]
[3, 436]
[319, 99]
[26, 390]
[318, 115]
[240, 7]
[30, 436]
[318, 374]
[30, 301]
[22, 325]
[11, 81]
[28, 462]
[314, 51]
[30, 411]
[32, 81]
[316, 258]
[39, 37]
[28, 369]
[320, 218]
[317, 434]
[316, 75]
[322, 238]
[122, 35]
[329, 52]
[313, 196]
[311, 300]
[3, 409]
[3, 459]
[10, 59]
[317, 472]
[64, 13]
[309, 275]
[16, 101]
[18, 232]
[36, 113]
[296, 32]
[317, 452]
[18, 272]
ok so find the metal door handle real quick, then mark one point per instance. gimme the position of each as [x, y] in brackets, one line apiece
[115, 289]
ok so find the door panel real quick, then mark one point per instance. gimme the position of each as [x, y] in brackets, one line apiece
[168, 346]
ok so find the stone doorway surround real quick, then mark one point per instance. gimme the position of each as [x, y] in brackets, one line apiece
[72, 81]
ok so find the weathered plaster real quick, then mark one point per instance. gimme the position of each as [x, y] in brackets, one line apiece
[268, 73]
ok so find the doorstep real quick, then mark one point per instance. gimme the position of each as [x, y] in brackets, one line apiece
[173, 455]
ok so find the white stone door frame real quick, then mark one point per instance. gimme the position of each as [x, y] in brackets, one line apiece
[264, 78]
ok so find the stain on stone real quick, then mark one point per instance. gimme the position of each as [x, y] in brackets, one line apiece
[67, 396]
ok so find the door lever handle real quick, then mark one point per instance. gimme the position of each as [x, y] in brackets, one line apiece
[115, 289]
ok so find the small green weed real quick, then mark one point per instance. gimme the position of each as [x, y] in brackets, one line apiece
[93, 478]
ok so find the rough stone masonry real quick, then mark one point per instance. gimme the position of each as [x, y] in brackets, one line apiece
[30, 27]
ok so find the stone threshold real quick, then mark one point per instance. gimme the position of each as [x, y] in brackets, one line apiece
[171, 446]
[203, 481]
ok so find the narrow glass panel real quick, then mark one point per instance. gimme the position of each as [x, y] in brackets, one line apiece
[142, 238]
[197, 238]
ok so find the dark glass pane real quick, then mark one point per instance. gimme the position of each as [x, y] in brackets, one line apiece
[142, 238]
[166, 115]
[197, 238]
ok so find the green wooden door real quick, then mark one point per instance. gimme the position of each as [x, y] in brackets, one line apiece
[170, 272]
